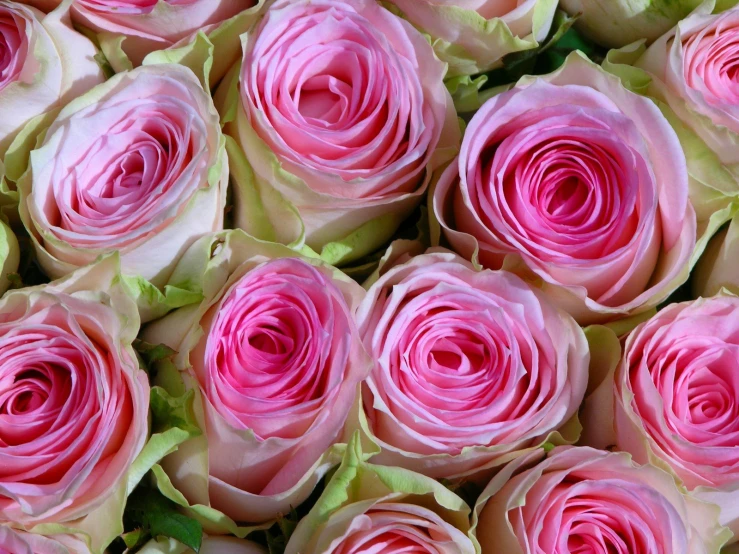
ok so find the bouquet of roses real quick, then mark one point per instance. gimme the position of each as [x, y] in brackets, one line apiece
[369, 276]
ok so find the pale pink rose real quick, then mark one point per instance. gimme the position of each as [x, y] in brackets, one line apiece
[694, 68]
[14, 541]
[73, 401]
[275, 356]
[137, 165]
[44, 63]
[585, 500]
[577, 184]
[477, 34]
[344, 112]
[677, 398]
[472, 368]
[149, 25]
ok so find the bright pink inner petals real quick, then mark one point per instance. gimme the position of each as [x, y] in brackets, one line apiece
[278, 348]
[683, 370]
[336, 92]
[13, 45]
[711, 63]
[64, 406]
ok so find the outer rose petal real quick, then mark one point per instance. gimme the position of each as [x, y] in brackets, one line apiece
[490, 371]
[250, 463]
[56, 65]
[159, 129]
[473, 37]
[548, 508]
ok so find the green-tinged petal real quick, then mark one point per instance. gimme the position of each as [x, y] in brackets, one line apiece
[153, 303]
[715, 270]
[16, 157]
[197, 55]
[597, 411]
[359, 481]
[9, 255]
[362, 241]
[212, 520]
[112, 47]
[252, 203]
[173, 423]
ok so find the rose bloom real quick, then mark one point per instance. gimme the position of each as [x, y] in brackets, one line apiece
[577, 184]
[136, 165]
[585, 500]
[677, 398]
[14, 541]
[473, 36]
[275, 358]
[73, 402]
[694, 70]
[616, 23]
[471, 368]
[368, 508]
[210, 545]
[342, 110]
[44, 64]
[149, 25]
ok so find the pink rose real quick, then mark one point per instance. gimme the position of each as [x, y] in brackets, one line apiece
[692, 67]
[45, 64]
[473, 36]
[14, 541]
[136, 165]
[585, 500]
[677, 398]
[275, 357]
[577, 184]
[73, 401]
[342, 110]
[149, 25]
[472, 368]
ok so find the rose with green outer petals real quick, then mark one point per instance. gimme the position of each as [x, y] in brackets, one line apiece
[688, 72]
[273, 358]
[338, 130]
[586, 500]
[473, 36]
[137, 165]
[367, 507]
[472, 368]
[616, 23]
[74, 404]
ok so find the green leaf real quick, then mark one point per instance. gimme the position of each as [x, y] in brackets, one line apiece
[158, 516]
[134, 538]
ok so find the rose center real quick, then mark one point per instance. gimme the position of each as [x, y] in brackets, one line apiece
[10, 46]
[271, 341]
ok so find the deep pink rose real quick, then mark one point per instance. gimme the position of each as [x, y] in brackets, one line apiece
[73, 401]
[472, 368]
[580, 186]
[44, 63]
[137, 165]
[582, 500]
[348, 101]
[677, 398]
[275, 356]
